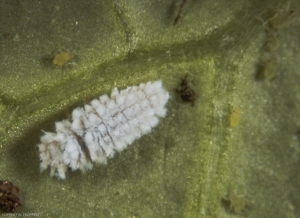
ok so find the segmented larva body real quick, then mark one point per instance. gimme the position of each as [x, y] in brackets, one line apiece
[103, 127]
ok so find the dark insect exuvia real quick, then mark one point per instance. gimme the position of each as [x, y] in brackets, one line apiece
[186, 93]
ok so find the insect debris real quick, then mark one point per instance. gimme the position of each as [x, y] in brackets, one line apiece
[186, 93]
[179, 14]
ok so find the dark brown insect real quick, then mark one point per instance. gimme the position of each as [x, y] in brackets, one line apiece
[9, 199]
[187, 94]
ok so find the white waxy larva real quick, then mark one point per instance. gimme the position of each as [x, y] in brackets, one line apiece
[103, 127]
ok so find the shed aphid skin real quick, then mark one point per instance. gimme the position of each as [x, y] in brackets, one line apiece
[103, 127]
[274, 28]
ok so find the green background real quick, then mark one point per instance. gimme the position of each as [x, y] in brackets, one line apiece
[193, 161]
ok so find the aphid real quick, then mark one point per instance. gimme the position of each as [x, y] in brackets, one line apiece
[63, 58]
[282, 18]
[234, 117]
[236, 203]
[272, 41]
[267, 69]
[273, 26]
[187, 94]
[279, 20]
